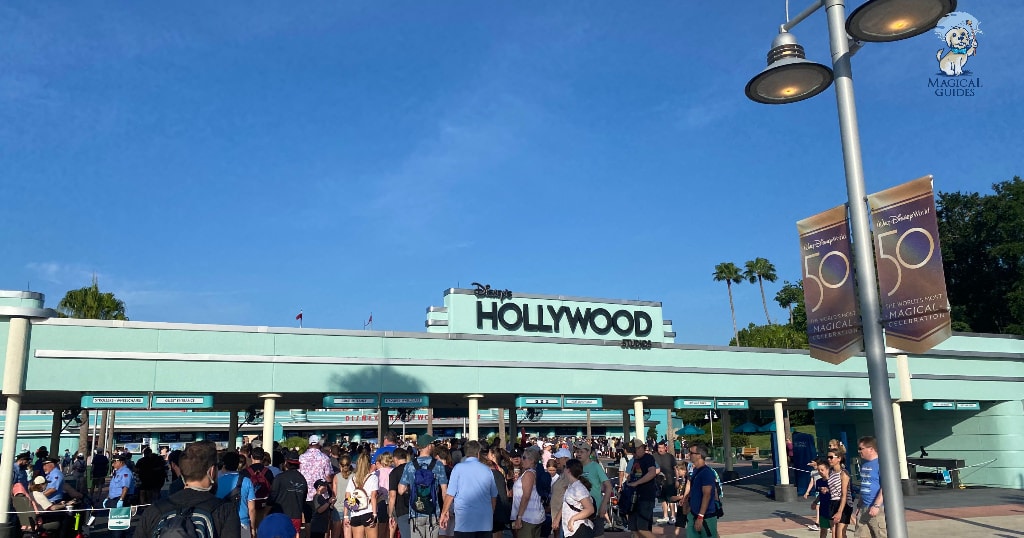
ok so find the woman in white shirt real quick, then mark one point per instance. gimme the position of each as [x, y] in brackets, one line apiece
[577, 504]
[527, 510]
[361, 499]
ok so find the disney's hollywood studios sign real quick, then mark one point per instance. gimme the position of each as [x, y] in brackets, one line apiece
[506, 314]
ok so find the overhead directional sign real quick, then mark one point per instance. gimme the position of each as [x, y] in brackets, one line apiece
[830, 405]
[693, 403]
[952, 406]
[858, 404]
[182, 401]
[940, 406]
[351, 401]
[404, 400]
[115, 401]
[553, 402]
[582, 402]
[732, 404]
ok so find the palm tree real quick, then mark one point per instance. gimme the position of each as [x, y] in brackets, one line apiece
[728, 272]
[758, 270]
[789, 295]
[90, 303]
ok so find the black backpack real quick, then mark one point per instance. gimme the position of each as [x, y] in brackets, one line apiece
[188, 521]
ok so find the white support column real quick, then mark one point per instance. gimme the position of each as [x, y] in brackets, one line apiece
[784, 491]
[906, 395]
[638, 417]
[474, 418]
[901, 446]
[269, 411]
[14, 382]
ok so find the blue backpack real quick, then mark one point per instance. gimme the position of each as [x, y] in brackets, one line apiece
[423, 498]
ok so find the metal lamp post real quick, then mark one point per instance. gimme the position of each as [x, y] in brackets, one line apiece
[790, 78]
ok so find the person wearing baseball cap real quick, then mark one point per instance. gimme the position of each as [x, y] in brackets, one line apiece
[641, 477]
[314, 465]
[600, 485]
[54, 480]
[559, 486]
[21, 465]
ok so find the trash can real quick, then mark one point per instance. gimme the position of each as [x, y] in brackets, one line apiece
[753, 465]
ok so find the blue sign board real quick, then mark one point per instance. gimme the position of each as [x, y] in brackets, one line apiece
[853, 405]
[582, 402]
[694, 403]
[182, 401]
[115, 401]
[351, 401]
[732, 404]
[404, 400]
[547, 402]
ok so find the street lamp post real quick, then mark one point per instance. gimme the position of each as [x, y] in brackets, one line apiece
[790, 78]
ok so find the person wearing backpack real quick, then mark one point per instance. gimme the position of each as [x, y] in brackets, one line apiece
[427, 483]
[360, 507]
[261, 478]
[193, 512]
[233, 486]
[702, 495]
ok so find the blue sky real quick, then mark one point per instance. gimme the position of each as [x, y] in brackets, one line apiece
[233, 162]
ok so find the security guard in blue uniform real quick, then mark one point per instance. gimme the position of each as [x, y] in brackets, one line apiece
[122, 487]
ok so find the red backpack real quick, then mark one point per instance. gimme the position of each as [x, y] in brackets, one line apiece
[260, 482]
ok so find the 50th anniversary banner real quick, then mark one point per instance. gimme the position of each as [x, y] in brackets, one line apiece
[912, 285]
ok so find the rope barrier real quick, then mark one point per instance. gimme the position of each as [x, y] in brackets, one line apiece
[749, 475]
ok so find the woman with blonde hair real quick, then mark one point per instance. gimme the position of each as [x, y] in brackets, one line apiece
[340, 488]
[527, 510]
[360, 513]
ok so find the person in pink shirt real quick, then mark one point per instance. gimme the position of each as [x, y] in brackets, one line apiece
[314, 465]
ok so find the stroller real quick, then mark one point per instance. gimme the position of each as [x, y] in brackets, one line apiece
[618, 519]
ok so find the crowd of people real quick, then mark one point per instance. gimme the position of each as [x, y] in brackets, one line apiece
[425, 488]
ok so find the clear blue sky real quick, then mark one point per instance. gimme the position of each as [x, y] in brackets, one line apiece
[233, 162]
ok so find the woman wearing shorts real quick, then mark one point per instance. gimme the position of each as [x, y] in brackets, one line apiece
[361, 500]
[842, 497]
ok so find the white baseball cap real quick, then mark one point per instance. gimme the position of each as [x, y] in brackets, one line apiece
[314, 439]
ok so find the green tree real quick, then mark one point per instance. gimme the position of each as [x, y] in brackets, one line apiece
[758, 270]
[91, 303]
[982, 238]
[774, 336]
[730, 274]
[789, 296]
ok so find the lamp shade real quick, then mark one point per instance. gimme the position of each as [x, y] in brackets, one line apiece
[892, 20]
[789, 77]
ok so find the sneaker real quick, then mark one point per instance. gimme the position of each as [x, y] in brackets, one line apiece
[671, 521]
[813, 527]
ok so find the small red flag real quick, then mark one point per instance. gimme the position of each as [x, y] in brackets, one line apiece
[299, 316]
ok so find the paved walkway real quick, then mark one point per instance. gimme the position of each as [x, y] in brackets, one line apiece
[971, 512]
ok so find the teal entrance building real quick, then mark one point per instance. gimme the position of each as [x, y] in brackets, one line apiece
[487, 350]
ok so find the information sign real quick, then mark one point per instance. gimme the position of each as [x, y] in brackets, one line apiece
[578, 402]
[115, 401]
[692, 403]
[858, 404]
[182, 401]
[405, 400]
[553, 402]
[825, 405]
[940, 406]
[732, 404]
[351, 401]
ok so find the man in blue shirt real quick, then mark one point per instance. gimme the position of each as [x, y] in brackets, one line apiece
[472, 490]
[122, 486]
[226, 484]
[871, 521]
[54, 480]
[424, 525]
[21, 465]
[700, 494]
[389, 446]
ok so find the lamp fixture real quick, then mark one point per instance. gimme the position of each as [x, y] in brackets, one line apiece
[893, 20]
[789, 77]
